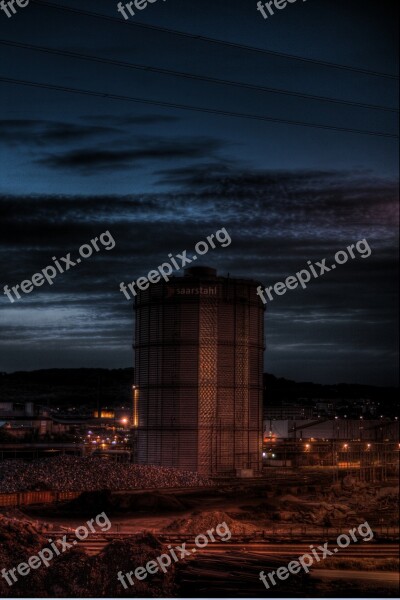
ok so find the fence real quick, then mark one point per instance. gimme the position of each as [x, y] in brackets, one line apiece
[25, 498]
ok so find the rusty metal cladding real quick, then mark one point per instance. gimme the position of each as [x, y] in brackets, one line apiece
[199, 343]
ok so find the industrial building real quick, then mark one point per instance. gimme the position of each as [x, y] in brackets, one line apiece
[368, 448]
[377, 430]
[199, 343]
[24, 418]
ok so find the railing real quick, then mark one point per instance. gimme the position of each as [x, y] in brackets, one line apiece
[45, 497]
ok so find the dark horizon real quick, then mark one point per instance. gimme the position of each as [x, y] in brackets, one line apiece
[265, 373]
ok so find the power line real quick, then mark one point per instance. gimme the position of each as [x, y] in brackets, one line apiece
[185, 75]
[191, 108]
[211, 40]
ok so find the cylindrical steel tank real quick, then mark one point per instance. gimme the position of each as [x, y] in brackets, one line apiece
[199, 343]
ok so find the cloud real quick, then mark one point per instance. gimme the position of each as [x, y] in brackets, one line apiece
[277, 221]
[88, 160]
[124, 120]
[40, 132]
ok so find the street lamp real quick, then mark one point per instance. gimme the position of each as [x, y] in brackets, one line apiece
[135, 415]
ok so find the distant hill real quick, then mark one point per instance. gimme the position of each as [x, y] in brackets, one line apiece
[293, 392]
[88, 387]
[288, 389]
[68, 387]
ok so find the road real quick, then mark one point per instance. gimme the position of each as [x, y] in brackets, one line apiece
[94, 545]
[387, 577]
[219, 557]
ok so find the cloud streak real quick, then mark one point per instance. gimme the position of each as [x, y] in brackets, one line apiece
[277, 221]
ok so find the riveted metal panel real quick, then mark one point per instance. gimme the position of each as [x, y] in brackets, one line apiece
[198, 367]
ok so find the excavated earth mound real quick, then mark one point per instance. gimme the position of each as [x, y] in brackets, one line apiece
[200, 523]
[74, 573]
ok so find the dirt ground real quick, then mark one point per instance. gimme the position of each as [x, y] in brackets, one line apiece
[260, 506]
[305, 507]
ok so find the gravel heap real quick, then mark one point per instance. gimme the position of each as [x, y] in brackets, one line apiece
[74, 573]
[69, 473]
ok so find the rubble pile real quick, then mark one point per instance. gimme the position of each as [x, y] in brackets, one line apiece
[348, 502]
[74, 573]
[201, 523]
[20, 539]
[97, 575]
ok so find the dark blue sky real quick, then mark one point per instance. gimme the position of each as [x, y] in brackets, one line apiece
[160, 179]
